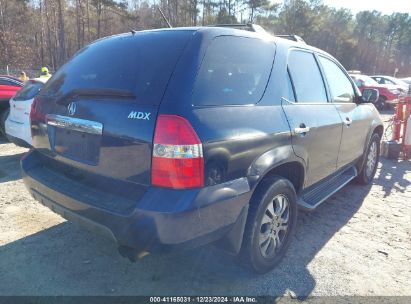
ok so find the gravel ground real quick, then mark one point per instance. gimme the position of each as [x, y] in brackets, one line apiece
[356, 243]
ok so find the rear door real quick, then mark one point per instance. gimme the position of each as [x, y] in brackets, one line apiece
[20, 104]
[98, 112]
[356, 118]
[315, 123]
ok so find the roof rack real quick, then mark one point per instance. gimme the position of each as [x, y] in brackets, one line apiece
[292, 37]
[259, 29]
[244, 26]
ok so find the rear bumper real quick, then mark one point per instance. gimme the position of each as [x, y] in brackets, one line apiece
[19, 133]
[163, 220]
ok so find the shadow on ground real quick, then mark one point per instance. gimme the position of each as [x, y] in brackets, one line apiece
[391, 175]
[67, 260]
[9, 167]
[3, 140]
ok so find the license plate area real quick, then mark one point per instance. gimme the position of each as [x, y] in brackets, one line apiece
[76, 139]
[77, 145]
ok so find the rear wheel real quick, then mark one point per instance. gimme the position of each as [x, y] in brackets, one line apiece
[270, 225]
[371, 158]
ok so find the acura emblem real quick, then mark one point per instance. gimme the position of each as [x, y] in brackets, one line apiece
[71, 108]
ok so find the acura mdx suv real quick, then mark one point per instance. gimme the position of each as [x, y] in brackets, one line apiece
[175, 138]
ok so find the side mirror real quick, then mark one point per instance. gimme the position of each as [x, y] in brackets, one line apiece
[370, 95]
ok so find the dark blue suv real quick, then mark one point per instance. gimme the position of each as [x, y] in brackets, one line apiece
[176, 138]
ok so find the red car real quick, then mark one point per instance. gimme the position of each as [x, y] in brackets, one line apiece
[389, 93]
[8, 88]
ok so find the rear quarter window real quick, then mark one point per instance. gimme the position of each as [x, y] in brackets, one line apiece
[234, 71]
[29, 91]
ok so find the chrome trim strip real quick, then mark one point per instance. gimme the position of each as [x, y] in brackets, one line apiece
[75, 124]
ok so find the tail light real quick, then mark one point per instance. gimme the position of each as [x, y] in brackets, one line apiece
[177, 154]
[35, 115]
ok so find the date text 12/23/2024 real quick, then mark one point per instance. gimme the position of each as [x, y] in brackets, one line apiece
[205, 299]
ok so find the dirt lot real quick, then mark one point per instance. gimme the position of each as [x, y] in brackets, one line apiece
[356, 243]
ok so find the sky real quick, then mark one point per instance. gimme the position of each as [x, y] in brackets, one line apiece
[385, 6]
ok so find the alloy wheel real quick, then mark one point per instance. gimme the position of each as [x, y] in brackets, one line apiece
[371, 159]
[274, 225]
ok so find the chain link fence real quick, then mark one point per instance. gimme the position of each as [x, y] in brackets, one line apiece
[31, 73]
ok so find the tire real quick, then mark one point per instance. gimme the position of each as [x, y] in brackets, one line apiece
[380, 104]
[3, 118]
[370, 161]
[263, 231]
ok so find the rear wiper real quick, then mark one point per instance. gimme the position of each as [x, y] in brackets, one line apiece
[104, 92]
[65, 99]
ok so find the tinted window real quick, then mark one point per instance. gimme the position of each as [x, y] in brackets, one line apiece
[306, 77]
[340, 86]
[139, 64]
[29, 90]
[234, 71]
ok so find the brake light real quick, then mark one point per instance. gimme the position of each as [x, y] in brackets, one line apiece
[177, 154]
[35, 115]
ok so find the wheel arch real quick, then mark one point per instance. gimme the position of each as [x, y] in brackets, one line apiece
[292, 170]
[377, 128]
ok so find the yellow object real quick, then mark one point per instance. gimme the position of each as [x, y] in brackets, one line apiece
[45, 73]
[23, 76]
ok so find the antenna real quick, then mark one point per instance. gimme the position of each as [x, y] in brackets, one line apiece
[164, 17]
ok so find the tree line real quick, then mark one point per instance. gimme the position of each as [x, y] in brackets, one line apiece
[34, 33]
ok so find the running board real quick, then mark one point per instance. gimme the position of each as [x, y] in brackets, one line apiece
[314, 196]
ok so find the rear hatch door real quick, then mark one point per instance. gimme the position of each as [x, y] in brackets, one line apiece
[98, 112]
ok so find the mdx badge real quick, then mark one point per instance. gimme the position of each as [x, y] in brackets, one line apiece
[139, 115]
[71, 108]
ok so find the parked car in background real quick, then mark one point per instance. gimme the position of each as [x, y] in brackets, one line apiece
[402, 85]
[407, 80]
[8, 88]
[18, 121]
[389, 93]
[160, 150]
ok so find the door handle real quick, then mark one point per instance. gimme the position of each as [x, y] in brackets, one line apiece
[302, 129]
[347, 121]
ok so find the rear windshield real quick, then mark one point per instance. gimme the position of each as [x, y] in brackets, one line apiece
[234, 71]
[29, 91]
[137, 64]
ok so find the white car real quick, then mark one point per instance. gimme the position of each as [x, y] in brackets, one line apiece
[18, 122]
[407, 80]
[402, 85]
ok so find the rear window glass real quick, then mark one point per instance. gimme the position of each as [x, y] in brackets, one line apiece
[29, 91]
[234, 71]
[139, 64]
